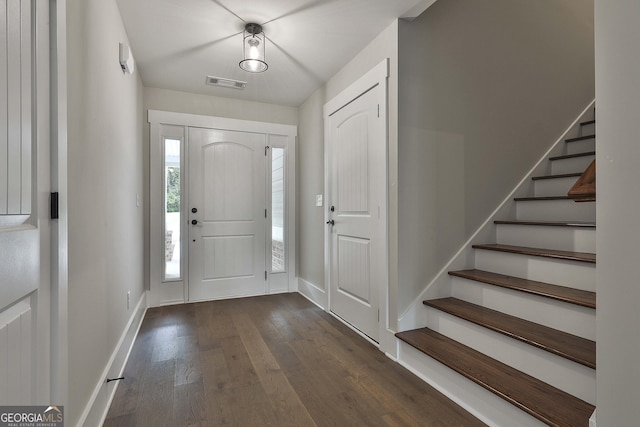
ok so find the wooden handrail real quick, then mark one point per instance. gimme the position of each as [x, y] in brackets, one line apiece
[584, 190]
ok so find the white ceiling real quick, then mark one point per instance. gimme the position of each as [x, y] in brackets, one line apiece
[177, 43]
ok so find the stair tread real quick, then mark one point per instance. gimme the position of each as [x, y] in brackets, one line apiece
[570, 156]
[588, 122]
[561, 175]
[563, 344]
[541, 252]
[548, 404]
[578, 224]
[534, 198]
[548, 290]
[580, 138]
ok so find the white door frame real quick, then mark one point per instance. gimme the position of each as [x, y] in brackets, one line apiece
[377, 76]
[59, 366]
[278, 135]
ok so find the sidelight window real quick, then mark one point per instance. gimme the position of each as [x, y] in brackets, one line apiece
[172, 208]
[277, 210]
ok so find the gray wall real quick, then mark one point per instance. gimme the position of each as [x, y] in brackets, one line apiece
[486, 87]
[104, 176]
[618, 210]
[310, 183]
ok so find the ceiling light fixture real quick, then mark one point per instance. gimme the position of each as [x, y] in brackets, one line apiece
[253, 42]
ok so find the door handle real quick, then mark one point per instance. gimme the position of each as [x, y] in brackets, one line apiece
[194, 222]
[332, 222]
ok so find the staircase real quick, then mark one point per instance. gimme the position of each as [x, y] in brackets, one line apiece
[521, 323]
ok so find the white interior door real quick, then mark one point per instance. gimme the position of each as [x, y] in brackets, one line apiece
[357, 211]
[24, 195]
[227, 202]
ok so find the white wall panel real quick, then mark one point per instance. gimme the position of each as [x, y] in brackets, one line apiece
[354, 261]
[228, 256]
[3, 110]
[4, 365]
[16, 358]
[228, 170]
[353, 168]
[15, 107]
[13, 100]
[25, 108]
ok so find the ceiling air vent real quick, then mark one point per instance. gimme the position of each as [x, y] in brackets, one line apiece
[219, 81]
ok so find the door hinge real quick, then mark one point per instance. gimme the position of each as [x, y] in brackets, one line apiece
[265, 275]
[265, 213]
[266, 149]
[378, 315]
[378, 110]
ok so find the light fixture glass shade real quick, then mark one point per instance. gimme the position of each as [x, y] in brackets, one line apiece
[253, 49]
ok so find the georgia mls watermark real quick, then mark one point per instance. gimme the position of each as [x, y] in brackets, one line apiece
[31, 416]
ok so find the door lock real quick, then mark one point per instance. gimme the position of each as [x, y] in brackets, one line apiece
[194, 210]
[331, 222]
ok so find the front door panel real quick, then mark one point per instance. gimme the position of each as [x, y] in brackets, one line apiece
[227, 191]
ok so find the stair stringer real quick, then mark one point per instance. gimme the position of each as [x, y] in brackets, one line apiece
[440, 286]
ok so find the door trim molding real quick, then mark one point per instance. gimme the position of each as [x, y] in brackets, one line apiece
[377, 76]
[59, 387]
[222, 123]
[374, 77]
[164, 293]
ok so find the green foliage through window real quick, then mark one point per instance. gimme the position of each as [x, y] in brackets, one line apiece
[173, 189]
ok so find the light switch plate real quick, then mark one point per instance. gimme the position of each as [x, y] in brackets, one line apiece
[318, 199]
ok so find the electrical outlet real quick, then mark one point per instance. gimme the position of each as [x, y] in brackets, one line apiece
[128, 299]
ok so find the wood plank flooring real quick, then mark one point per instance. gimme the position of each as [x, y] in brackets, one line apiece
[267, 361]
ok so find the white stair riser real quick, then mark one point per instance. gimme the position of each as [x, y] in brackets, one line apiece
[570, 318]
[571, 165]
[553, 187]
[579, 275]
[582, 146]
[576, 239]
[571, 377]
[480, 402]
[588, 129]
[555, 210]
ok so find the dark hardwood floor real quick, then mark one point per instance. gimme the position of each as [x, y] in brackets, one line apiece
[267, 361]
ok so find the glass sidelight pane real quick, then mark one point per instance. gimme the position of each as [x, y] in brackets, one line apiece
[277, 210]
[172, 208]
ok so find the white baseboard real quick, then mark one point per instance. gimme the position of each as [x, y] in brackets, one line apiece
[313, 293]
[96, 410]
[592, 420]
